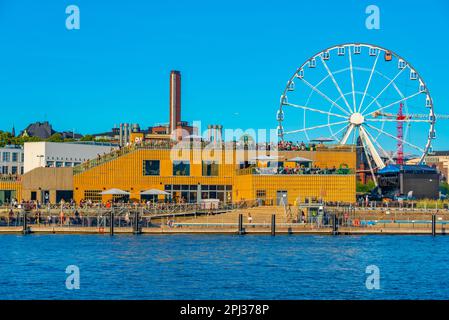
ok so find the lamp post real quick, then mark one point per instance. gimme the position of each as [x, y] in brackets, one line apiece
[198, 193]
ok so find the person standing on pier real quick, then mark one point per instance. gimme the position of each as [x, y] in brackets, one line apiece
[61, 218]
[250, 218]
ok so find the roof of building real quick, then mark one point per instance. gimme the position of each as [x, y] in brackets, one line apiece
[396, 168]
[42, 130]
[439, 153]
[70, 135]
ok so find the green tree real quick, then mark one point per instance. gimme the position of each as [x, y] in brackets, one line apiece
[444, 187]
[88, 137]
[364, 188]
[55, 138]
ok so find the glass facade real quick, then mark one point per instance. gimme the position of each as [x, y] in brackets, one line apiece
[189, 193]
[6, 156]
[209, 169]
[151, 167]
[181, 168]
[11, 160]
[93, 195]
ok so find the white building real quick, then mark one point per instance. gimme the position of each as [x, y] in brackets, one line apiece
[11, 160]
[58, 154]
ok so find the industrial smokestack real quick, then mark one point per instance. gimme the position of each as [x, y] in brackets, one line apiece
[175, 99]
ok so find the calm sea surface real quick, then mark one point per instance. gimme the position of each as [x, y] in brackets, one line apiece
[223, 267]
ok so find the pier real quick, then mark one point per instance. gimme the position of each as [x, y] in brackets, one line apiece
[244, 220]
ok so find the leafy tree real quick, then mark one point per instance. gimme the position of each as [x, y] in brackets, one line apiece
[55, 138]
[444, 187]
[364, 188]
[88, 137]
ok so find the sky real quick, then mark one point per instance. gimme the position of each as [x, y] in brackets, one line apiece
[235, 57]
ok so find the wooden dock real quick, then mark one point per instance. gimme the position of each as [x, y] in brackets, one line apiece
[248, 230]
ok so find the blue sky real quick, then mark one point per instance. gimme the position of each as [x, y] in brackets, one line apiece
[235, 57]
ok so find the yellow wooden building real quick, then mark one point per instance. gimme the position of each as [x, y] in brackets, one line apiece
[190, 175]
[193, 174]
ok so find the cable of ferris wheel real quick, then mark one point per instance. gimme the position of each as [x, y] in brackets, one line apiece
[336, 84]
[325, 96]
[396, 138]
[383, 90]
[396, 102]
[369, 81]
[314, 110]
[315, 127]
[352, 81]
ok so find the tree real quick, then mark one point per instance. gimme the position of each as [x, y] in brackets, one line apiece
[444, 187]
[364, 188]
[88, 137]
[55, 138]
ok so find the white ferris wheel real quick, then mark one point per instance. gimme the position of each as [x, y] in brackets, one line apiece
[360, 94]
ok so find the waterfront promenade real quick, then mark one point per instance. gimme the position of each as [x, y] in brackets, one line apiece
[231, 220]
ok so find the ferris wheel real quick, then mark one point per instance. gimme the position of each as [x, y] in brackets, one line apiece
[360, 94]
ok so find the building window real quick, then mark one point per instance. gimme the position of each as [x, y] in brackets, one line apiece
[68, 164]
[21, 170]
[5, 170]
[181, 168]
[65, 195]
[58, 164]
[15, 157]
[189, 193]
[6, 156]
[261, 194]
[13, 170]
[50, 164]
[92, 195]
[210, 168]
[151, 167]
[22, 157]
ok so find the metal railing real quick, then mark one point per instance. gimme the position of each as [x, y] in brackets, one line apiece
[9, 178]
[293, 171]
[164, 145]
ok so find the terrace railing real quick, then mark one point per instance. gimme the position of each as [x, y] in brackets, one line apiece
[164, 145]
[294, 172]
[9, 178]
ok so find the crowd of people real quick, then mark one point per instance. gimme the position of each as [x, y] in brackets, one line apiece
[9, 177]
[301, 170]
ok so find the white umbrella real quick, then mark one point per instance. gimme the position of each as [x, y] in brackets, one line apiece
[322, 139]
[114, 191]
[299, 159]
[265, 158]
[154, 192]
